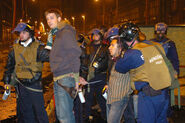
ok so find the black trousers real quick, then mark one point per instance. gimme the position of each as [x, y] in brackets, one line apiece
[30, 105]
[95, 89]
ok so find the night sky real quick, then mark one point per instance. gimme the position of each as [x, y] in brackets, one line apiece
[70, 8]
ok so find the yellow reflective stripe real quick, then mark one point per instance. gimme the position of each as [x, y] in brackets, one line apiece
[29, 26]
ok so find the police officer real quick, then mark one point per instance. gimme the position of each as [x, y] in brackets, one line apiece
[149, 75]
[26, 61]
[78, 105]
[168, 45]
[97, 70]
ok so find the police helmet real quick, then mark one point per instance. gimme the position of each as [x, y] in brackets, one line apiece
[111, 33]
[24, 27]
[128, 32]
[80, 38]
[161, 27]
[97, 31]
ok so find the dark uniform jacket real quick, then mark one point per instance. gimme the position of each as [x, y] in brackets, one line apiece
[101, 58]
[171, 51]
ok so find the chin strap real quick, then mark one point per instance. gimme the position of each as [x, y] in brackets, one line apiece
[131, 44]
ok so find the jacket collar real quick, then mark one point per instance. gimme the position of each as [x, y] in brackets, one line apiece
[62, 24]
[26, 43]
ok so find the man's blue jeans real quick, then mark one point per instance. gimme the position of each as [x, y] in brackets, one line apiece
[63, 101]
[116, 109]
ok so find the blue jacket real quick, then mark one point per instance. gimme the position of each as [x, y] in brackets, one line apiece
[131, 60]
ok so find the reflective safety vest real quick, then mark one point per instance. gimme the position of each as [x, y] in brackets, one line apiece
[26, 69]
[154, 70]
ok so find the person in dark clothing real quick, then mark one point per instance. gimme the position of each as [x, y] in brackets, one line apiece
[26, 61]
[168, 45]
[169, 48]
[78, 106]
[97, 73]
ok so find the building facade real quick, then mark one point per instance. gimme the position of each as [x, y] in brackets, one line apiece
[6, 19]
[149, 12]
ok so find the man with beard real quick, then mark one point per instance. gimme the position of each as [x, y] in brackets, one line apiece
[26, 61]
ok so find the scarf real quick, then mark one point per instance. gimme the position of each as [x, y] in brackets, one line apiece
[53, 32]
[50, 38]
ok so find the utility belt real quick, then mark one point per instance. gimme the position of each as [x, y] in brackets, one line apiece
[100, 73]
[149, 91]
[27, 82]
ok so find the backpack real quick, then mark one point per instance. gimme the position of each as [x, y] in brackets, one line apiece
[174, 79]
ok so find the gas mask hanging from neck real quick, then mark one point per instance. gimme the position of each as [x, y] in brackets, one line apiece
[125, 45]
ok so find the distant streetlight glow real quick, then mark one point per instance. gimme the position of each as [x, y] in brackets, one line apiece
[35, 24]
[73, 18]
[103, 9]
[42, 26]
[83, 17]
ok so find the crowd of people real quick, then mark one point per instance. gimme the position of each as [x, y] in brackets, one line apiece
[119, 62]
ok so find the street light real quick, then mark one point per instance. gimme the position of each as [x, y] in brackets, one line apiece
[117, 6]
[43, 28]
[35, 24]
[83, 17]
[103, 10]
[73, 18]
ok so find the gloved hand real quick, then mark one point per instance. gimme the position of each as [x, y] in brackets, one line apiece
[80, 38]
[7, 85]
